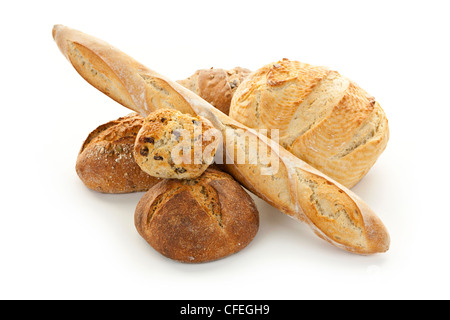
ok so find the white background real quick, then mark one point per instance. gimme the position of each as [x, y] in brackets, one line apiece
[59, 240]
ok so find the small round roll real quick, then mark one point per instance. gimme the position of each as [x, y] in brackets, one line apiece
[105, 162]
[197, 220]
[217, 86]
[173, 145]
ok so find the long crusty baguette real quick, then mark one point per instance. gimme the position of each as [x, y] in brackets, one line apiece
[334, 213]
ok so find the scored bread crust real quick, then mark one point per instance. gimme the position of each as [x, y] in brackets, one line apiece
[105, 162]
[217, 86]
[333, 212]
[198, 220]
[324, 118]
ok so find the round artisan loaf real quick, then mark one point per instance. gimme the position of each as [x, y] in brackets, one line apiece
[322, 117]
[105, 162]
[174, 145]
[197, 220]
[217, 86]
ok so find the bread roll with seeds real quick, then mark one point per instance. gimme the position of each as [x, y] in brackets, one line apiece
[323, 118]
[197, 220]
[174, 145]
[217, 86]
[105, 162]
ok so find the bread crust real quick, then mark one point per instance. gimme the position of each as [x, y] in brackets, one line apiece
[198, 220]
[217, 86]
[297, 189]
[324, 119]
[105, 162]
[173, 145]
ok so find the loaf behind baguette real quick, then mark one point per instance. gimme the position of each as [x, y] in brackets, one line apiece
[217, 86]
[334, 213]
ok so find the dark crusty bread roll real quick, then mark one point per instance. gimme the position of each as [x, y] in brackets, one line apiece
[105, 162]
[197, 220]
[217, 86]
[174, 145]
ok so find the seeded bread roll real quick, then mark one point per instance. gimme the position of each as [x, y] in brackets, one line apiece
[174, 145]
[217, 86]
[106, 163]
[197, 220]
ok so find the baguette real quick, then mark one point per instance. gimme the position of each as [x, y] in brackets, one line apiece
[333, 212]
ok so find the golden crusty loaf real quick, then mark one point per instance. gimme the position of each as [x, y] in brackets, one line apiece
[106, 163]
[174, 145]
[216, 86]
[197, 220]
[324, 118]
[333, 212]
